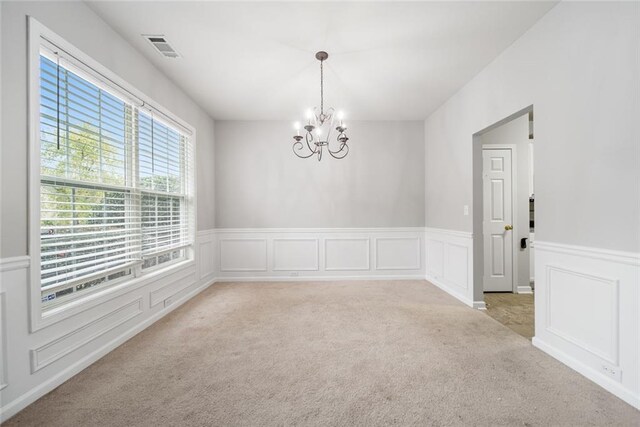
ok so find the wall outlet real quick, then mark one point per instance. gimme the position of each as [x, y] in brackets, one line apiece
[612, 371]
[465, 210]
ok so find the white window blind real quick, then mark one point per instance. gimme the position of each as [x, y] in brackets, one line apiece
[163, 160]
[115, 184]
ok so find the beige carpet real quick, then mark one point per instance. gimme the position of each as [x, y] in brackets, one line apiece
[340, 353]
[515, 311]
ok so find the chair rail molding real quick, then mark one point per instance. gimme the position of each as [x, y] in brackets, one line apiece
[15, 263]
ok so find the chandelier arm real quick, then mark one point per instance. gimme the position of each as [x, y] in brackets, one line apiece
[309, 139]
[342, 147]
[335, 154]
[297, 146]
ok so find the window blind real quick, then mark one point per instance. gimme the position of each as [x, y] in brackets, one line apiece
[164, 169]
[114, 184]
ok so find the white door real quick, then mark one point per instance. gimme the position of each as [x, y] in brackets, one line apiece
[497, 220]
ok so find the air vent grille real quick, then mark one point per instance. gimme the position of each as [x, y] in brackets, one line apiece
[160, 43]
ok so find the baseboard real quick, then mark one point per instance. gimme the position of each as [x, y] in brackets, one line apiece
[315, 278]
[608, 384]
[34, 394]
[479, 305]
[524, 289]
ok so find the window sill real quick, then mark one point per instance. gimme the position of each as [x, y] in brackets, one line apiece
[82, 304]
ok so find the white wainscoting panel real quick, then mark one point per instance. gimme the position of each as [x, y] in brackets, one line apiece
[435, 257]
[449, 259]
[246, 254]
[3, 343]
[71, 341]
[163, 290]
[293, 254]
[587, 304]
[40, 360]
[320, 254]
[398, 253]
[206, 258]
[347, 254]
[584, 309]
[456, 265]
[206, 253]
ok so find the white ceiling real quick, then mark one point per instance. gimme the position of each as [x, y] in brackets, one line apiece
[387, 60]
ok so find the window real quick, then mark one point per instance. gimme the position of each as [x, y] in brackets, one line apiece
[115, 183]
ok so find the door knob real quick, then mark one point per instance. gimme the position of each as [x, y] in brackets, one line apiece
[508, 227]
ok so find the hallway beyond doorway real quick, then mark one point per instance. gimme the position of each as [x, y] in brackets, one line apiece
[515, 311]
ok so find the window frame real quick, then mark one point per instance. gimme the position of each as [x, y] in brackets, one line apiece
[40, 36]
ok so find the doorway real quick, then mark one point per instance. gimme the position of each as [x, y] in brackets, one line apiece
[504, 221]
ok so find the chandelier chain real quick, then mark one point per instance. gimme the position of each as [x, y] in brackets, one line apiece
[321, 87]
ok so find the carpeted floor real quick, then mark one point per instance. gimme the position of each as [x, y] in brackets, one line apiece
[338, 353]
[515, 311]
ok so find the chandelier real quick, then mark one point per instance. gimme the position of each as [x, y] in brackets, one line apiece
[320, 124]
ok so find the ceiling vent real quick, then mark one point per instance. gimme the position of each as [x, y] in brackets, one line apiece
[160, 43]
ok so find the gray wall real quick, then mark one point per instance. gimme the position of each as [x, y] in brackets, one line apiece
[261, 183]
[516, 132]
[80, 26]
[578, 67]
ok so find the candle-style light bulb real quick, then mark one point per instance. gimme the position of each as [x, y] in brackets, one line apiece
[296, 126]
[309, 115]
[318, 133]
[340, 117]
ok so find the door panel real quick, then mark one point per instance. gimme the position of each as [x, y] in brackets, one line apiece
[498, 241]
[497, 200]
[497, 255]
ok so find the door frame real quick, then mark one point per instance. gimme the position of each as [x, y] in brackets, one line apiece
[514, 211]
[477, 205]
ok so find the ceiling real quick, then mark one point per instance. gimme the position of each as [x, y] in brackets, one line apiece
[387, 60]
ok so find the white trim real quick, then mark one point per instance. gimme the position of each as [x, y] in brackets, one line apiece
[4, 371]
[605, 382]
[37, 318]
[37, 363]
[318, 230]
[622, 257]
[525, 289]
[205, 233]
[14, 263]
[479, 305]
[453, 233]
[317, 278]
